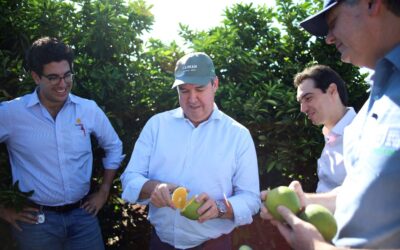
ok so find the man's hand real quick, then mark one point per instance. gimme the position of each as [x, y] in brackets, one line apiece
[294, 185]
[208, 210]
[298, 233]
[96, 201]
[161, 195]
[12, 216]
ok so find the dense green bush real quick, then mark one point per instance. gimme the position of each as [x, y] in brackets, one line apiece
[257, 50]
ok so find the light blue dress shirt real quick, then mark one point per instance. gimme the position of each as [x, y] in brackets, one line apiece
[368, 205]
[53, 157]
[331, 169]
[218, 157]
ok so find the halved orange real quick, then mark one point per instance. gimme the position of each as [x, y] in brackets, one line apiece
[179, 197]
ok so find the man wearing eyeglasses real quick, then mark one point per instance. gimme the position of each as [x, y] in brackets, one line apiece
[366, 206]
[47, 134]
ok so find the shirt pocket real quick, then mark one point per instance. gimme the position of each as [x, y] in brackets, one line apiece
[81, 143]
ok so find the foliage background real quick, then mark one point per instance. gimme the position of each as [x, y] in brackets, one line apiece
[257, 51]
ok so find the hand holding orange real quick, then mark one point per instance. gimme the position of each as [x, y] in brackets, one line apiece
[188, 207]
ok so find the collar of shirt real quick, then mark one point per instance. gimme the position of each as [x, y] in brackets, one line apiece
[338, 129]
[34, 98]
[178, 113]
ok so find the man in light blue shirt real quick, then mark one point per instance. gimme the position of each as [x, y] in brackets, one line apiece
[47, 134]
[366, 206]
[202, 149]
[323, 97]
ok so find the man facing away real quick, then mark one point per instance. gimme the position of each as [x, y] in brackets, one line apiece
[322, 95]
[366, 206]
[47, 134]
[202, 149]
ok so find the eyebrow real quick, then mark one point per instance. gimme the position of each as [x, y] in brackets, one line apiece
[299, 99]
[197, 87]
[54, 74]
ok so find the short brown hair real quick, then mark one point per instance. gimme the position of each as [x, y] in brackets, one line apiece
[323, 76]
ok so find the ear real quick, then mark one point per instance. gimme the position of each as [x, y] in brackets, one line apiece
[216, 84]
[374, 7]
[35, 77]
[332, 89]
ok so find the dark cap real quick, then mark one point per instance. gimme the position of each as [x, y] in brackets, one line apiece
[316, 24]
[194, 68]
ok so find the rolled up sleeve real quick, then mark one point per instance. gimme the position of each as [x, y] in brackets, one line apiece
[246, 199]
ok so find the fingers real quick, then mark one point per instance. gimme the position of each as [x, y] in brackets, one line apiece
[16, 226]
[263, 195]
[30, 209]
[208, 210]
[12, 216]
[264, 214]
[296, 186]
[161, 196]
[287, 215]
[90, 207]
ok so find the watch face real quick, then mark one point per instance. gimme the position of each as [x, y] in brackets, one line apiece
[221, 208]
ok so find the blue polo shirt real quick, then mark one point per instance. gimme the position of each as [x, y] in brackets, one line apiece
[368, 206]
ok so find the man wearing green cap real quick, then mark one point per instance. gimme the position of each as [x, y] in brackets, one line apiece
[366, 206]
[198, 147]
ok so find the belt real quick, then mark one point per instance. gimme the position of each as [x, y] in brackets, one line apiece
[59, 209]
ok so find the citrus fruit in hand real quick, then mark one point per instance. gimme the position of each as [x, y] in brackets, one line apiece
[179, 197]
[190, 210]
[284, 196]
[322, 219]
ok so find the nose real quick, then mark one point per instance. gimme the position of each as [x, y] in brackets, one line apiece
[303, 108]
[192, 97]
[62, 82]
[330, 38]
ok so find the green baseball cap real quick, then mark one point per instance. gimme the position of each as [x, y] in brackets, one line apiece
[194, 68]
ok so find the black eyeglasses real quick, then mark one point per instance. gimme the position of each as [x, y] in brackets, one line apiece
[56, 79]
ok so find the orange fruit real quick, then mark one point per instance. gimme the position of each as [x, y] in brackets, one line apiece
[179, 197]
[285, 196]
[322, 219]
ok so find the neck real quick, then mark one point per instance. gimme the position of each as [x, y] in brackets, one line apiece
[52, 108]
[387, 37]
[335, 118]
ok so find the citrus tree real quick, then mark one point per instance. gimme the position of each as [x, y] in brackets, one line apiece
[256, 50]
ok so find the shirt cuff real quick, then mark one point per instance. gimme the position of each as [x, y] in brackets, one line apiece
[131, 190]
[242, 213]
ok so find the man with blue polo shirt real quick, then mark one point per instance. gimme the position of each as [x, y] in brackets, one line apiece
[198, 147]
[47, 134]
[367, 34]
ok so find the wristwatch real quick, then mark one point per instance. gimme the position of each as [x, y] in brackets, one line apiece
[221, 206]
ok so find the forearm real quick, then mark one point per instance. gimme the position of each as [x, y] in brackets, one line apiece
[327, 200]
[108, 178]
[147, 189]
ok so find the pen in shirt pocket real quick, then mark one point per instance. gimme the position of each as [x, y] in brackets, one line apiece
[81, 126]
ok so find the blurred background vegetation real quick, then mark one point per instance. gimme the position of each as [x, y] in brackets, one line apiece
[257, 50]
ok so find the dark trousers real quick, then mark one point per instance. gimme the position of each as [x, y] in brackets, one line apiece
[224, 242]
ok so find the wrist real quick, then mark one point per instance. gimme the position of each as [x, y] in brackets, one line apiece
[222, 208]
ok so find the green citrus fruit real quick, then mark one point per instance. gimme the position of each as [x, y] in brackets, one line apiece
[322, 219]
[245, 247]
[190, 210]
[282, 196]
